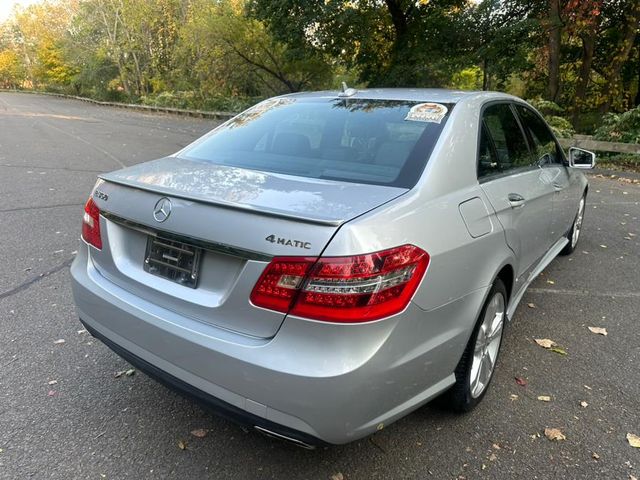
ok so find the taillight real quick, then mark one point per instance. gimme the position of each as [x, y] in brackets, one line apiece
[342, 289]
[91, 224]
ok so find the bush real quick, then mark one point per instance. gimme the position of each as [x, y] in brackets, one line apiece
[552, 114]
[193, 101]
[619, 161]
[620, 127]
[560, 126]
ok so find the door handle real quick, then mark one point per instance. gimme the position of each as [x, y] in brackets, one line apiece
[516, 200]
[558, 186]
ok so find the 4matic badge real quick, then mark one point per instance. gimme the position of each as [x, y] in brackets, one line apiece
[288, 242]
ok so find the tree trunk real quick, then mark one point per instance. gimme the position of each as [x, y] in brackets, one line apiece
[621, 55]
[555, 38]
[588, 47]
[485, 74]
[636, 102]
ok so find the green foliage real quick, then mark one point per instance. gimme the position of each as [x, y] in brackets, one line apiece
[191, 100]
[227, 54]
[552, 112]
[624, 127]
[560, 126]
[546, 107]
[467, 79]
[625, 161]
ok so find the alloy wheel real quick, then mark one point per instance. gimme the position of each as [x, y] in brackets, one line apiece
[485, 352]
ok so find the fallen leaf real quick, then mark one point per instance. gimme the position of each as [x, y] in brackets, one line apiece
[130, 372]
[545, 342]
[496, 446]
[584, 404]
[492, 457]
[59, 341]
[551, 282]
[595, 456]
[603, 246]
[182, 445]
[337, 476]
[588, 387]
[598, 330]
[631, 477]
[51, 393]
[81, 332]
[531, 305]
[554, 434]
[513, 397]
[521, 381]
[558, 350]
[200, 432]
[53, 382]
[633, 440]
[544, 398]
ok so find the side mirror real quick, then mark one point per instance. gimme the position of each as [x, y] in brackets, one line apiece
[579, 158]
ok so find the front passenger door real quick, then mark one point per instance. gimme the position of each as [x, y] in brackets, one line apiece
[517, 189]
[549, 156]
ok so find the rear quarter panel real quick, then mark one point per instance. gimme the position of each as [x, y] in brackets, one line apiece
[429, 217]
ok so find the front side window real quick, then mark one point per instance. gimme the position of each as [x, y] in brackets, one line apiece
[503, 147]
[354, 140]
[546, 150]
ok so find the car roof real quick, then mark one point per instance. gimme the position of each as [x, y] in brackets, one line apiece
[440, 95]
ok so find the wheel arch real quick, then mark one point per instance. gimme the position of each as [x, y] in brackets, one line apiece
[507, 275]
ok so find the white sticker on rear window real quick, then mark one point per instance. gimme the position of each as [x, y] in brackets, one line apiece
[427, 112]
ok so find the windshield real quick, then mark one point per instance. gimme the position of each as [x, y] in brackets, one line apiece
[381, 142]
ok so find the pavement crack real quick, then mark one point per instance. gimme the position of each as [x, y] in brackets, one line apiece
[41, 207]
[584, 293]
[86, 142]
[40, 167]
[28, 283]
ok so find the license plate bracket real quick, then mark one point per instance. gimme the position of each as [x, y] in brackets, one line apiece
[173, 260]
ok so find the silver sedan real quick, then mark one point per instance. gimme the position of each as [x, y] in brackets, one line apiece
[325, 263]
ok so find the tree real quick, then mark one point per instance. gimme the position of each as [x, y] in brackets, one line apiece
[390, 43]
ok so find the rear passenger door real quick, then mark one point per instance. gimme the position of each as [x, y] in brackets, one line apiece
[516, 187]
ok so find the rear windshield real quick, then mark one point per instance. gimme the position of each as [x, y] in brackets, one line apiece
[382, 142]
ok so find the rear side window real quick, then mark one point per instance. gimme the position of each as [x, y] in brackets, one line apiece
[369, 141]
[546, 150]
[503, 147]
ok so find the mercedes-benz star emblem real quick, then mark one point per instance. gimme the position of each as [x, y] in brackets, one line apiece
[162, 210]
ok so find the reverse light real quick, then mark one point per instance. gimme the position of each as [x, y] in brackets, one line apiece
[353, 289]
[91, 224]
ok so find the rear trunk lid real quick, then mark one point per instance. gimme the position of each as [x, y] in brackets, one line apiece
[237, 219]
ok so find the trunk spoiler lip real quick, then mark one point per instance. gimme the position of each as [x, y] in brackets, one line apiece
[235, 206]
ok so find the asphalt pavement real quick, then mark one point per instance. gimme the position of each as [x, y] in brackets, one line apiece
[64, 415]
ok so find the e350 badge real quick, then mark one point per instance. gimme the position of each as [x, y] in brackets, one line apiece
[288, 242]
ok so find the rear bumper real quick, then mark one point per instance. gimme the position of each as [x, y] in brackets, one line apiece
[220, 407]
[313, 382]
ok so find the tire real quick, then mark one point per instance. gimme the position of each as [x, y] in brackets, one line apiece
[470, 387]
[574, 233]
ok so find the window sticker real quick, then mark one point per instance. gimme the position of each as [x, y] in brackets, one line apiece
[427, 112]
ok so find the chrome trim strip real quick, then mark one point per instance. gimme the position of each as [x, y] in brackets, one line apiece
[197, 242]
[298, 443]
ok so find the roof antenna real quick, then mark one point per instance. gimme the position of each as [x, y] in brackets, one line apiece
[346, 91]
